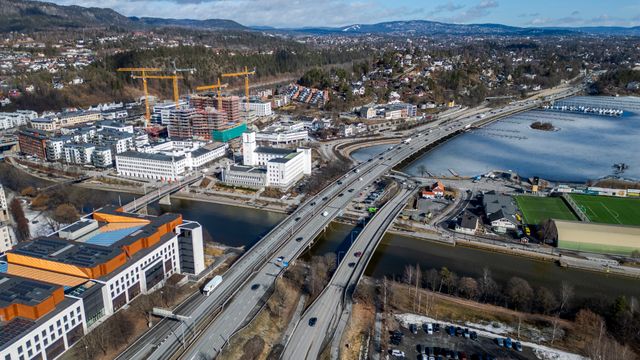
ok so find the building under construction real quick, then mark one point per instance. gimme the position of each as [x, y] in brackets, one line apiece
[230, 105]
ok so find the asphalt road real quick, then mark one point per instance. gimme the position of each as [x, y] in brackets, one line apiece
[236, 297]
[307, 340]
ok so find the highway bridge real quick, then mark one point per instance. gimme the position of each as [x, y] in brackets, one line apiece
[211, 321]
[307, 342]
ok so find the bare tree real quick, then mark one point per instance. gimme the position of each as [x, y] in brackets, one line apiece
[545, 302]
[22, 224]
[407, 276]
[566, 294]
[418, 272]
[519, 293]
[433, 279]
[487, 287]
[468, 287]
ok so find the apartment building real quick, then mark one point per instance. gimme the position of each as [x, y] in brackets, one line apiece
[6, 242]
[33, 142]
[16, 119]
[73, 118]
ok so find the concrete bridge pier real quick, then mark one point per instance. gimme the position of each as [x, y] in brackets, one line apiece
[165, 200]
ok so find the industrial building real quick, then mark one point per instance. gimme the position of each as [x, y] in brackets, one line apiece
[55, 289]
[597, 238]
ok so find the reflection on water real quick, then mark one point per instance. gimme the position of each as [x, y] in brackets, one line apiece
[395, 252]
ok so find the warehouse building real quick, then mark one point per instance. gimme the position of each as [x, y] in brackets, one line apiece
[597, 238]
[55, 289]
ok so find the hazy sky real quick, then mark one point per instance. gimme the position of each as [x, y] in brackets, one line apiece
[297, 13]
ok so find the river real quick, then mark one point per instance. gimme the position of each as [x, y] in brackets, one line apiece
[584, 146]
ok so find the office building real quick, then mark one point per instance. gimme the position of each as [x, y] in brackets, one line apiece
[283, 167]
[151, 166]
[55, 289]
[283, 133]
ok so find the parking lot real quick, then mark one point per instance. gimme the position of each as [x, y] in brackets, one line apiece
[445, 346]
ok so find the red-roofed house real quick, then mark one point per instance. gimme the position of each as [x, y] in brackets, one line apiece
[434, 191]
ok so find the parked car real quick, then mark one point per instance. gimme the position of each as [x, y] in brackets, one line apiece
[508, 343]
[436, 327]
[430, 329]
[398, 353]
[459, 331]
[473, 335]
[500, 342]
[518, 346]
[451, 330]
[413, 328]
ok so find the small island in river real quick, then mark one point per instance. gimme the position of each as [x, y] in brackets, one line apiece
[544, 126]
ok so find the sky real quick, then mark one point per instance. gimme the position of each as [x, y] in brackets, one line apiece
[300, 13]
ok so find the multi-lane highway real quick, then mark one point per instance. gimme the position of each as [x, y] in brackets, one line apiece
[318, 322]
[210, 321]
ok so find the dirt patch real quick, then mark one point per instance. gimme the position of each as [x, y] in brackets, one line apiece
[359, 331]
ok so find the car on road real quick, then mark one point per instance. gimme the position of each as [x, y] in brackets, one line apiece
[341, 195]
[297, 219]
[517, 346]
[313, 321]
[313, 203]
[357, 254]
[351, 264]
[339, 182]
[299, 238]
[398, 353]
[279, 258]
[380, 158]
[325, 198]
[351, 190]
[255, 286]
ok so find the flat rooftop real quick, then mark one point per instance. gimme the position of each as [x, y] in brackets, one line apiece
[19, 290]
[64, 251]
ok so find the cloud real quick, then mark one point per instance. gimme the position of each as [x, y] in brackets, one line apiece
[575, 13]
[279, 13]
[478, 11]
[447, 7]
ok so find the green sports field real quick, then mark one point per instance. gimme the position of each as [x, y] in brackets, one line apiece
[609, 210]
[535, 209]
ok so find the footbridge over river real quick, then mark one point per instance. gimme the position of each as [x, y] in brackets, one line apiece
[161, 194]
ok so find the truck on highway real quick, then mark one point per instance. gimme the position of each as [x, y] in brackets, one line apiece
[211, 285]
[407, 140]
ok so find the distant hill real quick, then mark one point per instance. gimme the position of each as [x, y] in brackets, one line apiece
[209, 24]
[23, 15]
[27, 15]
[425, 27]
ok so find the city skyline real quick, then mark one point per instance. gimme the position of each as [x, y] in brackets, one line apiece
[302, 13]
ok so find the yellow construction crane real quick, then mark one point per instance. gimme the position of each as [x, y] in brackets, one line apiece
[246, 74]
[176, 93]
[218, 87]
[143, 72]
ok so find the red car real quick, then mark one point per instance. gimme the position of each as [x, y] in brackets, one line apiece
[358, 254]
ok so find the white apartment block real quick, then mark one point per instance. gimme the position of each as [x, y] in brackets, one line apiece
[151, 166]
[258, 108]
[16, 119]
[102, 157]
[6, 243]
[78, 153]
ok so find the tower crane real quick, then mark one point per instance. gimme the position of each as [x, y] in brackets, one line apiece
[246, 74]
[218, 87]
[143, 72]
[176, 94]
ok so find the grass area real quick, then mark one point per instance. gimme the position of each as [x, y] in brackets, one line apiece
[535, 209]
[609, 210]
[358, 331]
